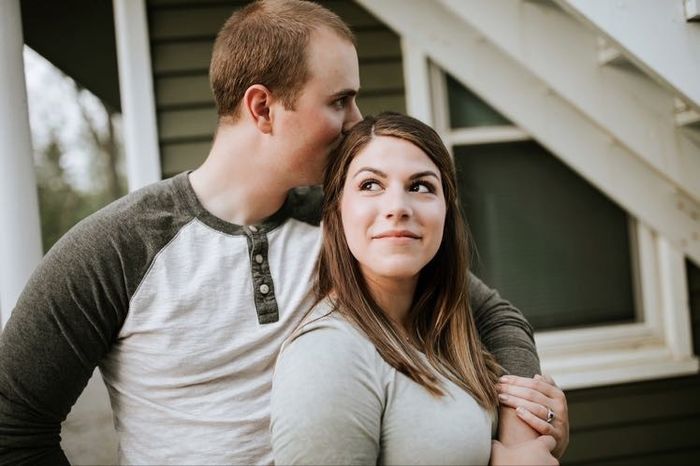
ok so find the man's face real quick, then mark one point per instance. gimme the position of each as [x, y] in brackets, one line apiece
[324, 109]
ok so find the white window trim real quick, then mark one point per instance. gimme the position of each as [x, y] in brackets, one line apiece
[659, 345]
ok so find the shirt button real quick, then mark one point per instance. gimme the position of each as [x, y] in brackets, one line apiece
[264, 289]
[258, 258]
[253, 228]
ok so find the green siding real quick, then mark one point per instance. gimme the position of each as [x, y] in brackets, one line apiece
[182, 35]
[654, 422]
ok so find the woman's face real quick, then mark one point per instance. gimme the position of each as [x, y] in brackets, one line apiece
[392, 209]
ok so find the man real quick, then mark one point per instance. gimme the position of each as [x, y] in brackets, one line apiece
[183, 292]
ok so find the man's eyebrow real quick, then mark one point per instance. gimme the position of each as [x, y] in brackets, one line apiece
[346, 93]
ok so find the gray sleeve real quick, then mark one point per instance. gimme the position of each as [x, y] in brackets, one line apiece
[504, 330]
[327, 402]
[65, 321]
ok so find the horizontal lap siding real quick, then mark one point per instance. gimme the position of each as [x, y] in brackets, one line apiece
[656, 422]
[182, 34]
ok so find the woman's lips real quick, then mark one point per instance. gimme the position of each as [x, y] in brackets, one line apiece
[397, 234]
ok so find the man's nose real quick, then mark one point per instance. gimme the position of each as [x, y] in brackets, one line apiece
[353, 117]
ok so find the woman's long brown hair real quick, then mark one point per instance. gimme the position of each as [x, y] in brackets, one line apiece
[441, 324]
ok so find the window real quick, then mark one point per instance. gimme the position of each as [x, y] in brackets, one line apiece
[606, 295]
[544, 237]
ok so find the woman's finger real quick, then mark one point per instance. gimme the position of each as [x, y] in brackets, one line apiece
[541, 426]
[524, 393]
[548, 441]
[538, 384]
[514, 402]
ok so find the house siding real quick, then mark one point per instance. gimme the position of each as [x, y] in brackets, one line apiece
[182, 34]
[655, 422]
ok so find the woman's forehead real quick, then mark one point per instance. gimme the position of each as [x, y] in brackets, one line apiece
[392, 154]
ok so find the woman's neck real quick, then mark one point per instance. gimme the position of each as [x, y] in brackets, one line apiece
[394, 296]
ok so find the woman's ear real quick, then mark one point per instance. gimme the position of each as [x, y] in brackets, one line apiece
[256, 106]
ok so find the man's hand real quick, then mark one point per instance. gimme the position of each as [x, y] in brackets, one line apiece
[534, 400]
[535, 451]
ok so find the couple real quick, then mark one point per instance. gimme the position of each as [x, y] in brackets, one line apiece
[182, 293]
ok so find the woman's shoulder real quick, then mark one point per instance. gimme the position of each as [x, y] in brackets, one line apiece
[332, 354]
[326, 329]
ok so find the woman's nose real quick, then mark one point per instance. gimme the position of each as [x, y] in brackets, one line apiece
[397, 204]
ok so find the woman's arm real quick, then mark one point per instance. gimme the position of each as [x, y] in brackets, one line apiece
[518, 444]
[326, 402]
[537, 400]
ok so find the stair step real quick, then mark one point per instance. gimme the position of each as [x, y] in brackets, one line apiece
[692, 10]
[686, 116]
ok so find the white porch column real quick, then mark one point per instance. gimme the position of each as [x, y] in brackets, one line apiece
[136, 90]
[20, 234]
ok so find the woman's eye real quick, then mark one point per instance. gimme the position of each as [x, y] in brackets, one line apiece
[369, 185]
[422, 187]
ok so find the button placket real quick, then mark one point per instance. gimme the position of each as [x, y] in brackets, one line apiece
[263, 287]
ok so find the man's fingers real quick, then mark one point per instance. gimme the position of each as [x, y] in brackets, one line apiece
[547, 378]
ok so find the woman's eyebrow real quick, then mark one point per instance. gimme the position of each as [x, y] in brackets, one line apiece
[371, 170]
[425, 173]
[384, 175]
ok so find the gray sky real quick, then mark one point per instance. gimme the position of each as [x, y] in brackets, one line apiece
[54, 102]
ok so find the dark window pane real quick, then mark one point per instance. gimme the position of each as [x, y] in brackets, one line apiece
[546, 239]
[468, 110]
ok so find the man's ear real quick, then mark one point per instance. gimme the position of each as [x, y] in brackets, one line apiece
[256, 106]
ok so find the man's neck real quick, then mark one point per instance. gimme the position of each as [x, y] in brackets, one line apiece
[233, 183]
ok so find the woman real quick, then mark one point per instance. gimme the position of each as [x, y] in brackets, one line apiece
[388, 367]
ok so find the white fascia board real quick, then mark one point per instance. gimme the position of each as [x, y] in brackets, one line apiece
[136, 91]
[656, 35]
[561, 51]
[416, 82]
[548, 117]
[486, 135]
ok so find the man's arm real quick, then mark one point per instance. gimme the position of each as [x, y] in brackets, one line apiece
[509, 337]
[65, 321]
[503, 330]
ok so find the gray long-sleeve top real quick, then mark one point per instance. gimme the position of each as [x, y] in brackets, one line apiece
[336, 401]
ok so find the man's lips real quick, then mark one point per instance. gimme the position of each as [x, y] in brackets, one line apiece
[397, 234]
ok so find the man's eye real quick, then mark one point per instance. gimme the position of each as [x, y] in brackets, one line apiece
[370, 185]
[340, 103]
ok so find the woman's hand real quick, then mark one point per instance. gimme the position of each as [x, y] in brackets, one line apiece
[535, 451]
[535, 401]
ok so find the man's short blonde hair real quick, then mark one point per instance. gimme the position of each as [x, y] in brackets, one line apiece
[265, 43]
